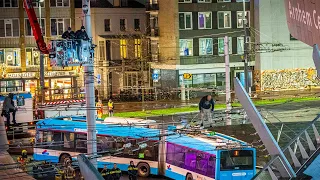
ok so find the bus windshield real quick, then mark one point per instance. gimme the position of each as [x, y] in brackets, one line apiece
[236, 160]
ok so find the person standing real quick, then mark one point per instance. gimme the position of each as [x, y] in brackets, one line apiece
[7, 108]
[110, 107]
[115, 172]
[206, 108]
[132, 171]
[105, 173]
[81, 35]
[69, 34]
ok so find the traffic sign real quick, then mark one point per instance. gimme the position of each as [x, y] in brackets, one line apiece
[187, 76]
[155, 77]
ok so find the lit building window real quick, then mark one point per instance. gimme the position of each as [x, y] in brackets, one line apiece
[137, 48]
[205, 46]
[240, 18]
[224, 19]
[185, 20]
[9, 28]
[221, 46]
[186, 47]
[10, 57]
[240, 45]
[205, 20]
[33, 57]
[123, 48]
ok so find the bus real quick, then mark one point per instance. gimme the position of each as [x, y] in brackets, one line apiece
[206, 156]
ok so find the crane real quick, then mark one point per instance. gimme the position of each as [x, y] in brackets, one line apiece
[35, 26]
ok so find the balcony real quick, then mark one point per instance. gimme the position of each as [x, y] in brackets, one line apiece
[152, 7]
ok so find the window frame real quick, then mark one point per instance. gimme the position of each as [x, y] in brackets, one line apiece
[56, 4]
[205, 22]
[137, 48]
[34, 49]
[200, 54]
[192, 53]
[12, 28]
[230, 46]
[26, 20]
[230, 19]
[64, 28]
[241, 53]
[247, 17]
[4, 3]
[204, 1]
[123, 48]
[18, 50]
[185, 20]
[134, 24]
[105, 29]
[185, 1]
[223, 1]
[125, 25]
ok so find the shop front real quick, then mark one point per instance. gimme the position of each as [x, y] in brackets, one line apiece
[59, 85]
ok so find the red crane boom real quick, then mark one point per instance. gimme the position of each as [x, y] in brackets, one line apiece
[35, 26]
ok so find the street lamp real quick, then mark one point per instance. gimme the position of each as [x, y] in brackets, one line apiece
[41, 56]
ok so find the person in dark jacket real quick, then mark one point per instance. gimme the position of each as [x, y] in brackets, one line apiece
[69, 34]
[132, 171]
[115, 172]
[105, 173]
[206, 108]
[81, 35]
[8, 106]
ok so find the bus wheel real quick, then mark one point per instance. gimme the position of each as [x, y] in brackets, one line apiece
[64, 157]
[143, 169]
[189, 176]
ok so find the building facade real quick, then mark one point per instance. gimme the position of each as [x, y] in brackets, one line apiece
[122, 52]
[283, 62]
[194, 40]
[19, 57]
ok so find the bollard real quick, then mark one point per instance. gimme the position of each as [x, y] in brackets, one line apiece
[183, 92]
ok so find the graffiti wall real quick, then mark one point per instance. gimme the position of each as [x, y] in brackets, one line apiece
[288, 79]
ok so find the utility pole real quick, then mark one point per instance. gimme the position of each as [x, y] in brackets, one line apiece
[228, 92]
[245, 47]
[90, 95]
[41, 59]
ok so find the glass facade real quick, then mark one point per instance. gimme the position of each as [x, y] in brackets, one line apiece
[10, 57]
[208, 80]
[11, 85]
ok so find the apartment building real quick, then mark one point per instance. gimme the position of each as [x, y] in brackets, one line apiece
[19, 57]
[194, 40]
[122, 53]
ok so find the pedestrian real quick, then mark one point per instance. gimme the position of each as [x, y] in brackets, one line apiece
[99, 107]
[105, 173]
[115, 172]
[206, 107]
[7, 108]
[132, 171]
[69, 34]
[110, 107]
[81, 35]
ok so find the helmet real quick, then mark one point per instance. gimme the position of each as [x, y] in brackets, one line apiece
[82, 27]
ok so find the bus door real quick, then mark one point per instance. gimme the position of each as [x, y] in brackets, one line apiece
[236, 164]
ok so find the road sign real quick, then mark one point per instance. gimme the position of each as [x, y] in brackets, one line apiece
[187, 76]
[99, 79]
[155, 77]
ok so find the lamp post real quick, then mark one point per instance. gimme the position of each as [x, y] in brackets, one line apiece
[41, 58]
[245, 47]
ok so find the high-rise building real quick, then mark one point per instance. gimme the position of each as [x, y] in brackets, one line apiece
[192, 41]
[19, 57]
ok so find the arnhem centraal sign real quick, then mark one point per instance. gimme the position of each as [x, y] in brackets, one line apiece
[303, 17]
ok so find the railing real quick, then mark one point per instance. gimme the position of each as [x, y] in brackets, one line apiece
[299, 151]
[152, 7]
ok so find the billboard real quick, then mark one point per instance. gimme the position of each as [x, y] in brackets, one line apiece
[66, 53]
[303, 17]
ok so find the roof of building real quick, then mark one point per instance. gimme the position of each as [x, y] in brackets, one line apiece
[107, 4]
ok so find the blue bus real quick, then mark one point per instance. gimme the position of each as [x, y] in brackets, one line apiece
[207, 156]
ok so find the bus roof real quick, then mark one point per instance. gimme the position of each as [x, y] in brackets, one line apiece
[78, 124]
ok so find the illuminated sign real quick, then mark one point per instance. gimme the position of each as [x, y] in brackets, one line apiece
[33, 74]
[303, 17]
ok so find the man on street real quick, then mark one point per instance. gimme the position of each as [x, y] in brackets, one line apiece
[132, 171]
[206, 108]
[115, 172]
[8, 107]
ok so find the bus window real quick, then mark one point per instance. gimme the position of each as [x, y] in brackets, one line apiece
[81, 143]
[201, 163]
[211, 171]
[68, 140]
[179, 153]
[170, 153]
[236, 160]
[190, 159]
[20, 101]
